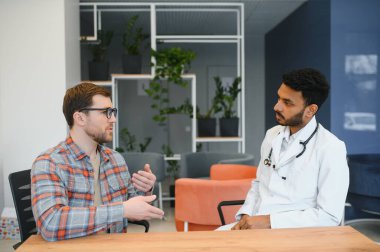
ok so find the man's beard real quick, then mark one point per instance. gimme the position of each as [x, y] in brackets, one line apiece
[294, 121]
[100, 138]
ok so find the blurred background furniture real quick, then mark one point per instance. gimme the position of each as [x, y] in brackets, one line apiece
[363, 195]
[20, 187]
[136, 161]
[197, 164]
[197, 199]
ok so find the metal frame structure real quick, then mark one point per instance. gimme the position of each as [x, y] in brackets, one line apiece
[153, 8]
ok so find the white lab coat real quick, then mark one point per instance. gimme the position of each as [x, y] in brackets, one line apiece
[300, 192]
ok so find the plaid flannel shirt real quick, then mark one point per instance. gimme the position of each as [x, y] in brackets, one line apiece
[63, 192]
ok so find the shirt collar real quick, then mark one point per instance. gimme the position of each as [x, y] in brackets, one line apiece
[79, 154]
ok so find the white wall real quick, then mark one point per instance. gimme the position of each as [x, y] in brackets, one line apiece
[38, 57]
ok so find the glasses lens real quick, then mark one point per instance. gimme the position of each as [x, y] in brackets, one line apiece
[110, 111]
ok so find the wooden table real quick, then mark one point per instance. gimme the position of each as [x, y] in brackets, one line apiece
[306, 239]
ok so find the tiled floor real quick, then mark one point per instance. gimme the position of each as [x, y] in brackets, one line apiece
[166, 225]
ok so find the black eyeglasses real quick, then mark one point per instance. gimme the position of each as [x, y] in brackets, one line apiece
[107, 111]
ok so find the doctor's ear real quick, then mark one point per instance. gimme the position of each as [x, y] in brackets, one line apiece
[311, 110]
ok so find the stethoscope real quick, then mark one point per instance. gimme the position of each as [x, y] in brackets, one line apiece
[268, 161]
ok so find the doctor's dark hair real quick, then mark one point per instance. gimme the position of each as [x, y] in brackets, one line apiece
[79, 97]
[312, 84]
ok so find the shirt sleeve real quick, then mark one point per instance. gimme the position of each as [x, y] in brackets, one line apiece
[333, 183]
[55, 218]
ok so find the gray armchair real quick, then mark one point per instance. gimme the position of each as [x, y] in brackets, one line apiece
[136, 161]
[197, 164]
[364, 193]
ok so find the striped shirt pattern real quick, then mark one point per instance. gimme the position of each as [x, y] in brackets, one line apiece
[63, 192]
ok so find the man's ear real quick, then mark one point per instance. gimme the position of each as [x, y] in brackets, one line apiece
[79, 118]
[311, 110]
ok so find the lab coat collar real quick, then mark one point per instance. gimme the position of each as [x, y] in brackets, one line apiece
[295, 147]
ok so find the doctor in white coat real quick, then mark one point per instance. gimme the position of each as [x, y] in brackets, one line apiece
[303, 176]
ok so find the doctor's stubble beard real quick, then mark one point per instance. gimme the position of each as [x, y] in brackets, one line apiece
[293, 121]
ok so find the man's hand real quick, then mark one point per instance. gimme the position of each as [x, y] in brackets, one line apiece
[138, 208]
[144, 180]
[253, 222]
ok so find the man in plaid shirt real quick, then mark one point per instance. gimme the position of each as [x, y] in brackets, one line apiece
[81, 187]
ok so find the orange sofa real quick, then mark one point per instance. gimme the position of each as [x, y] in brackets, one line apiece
[197, 199]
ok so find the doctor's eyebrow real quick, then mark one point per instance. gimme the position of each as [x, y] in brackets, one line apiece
[286, 101]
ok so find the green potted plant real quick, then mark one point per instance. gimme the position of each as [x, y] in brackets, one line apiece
[98, 66]
[129, 143]
[207, 122]
[169, 65]
[229, 123]
[133, 38]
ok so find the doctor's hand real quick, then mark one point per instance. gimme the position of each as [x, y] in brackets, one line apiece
[139, 208]
[253, 222]
[144, 180]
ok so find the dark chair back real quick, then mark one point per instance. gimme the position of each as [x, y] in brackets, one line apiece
[364, 189]
[20, 187]
[136, 161]
[363, 211]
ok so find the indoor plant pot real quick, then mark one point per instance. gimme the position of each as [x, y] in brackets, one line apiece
[98, 71]
[229, 126]
[206, 127]
[133, 38]
[132, 64]
[229, 123]
[98, 67]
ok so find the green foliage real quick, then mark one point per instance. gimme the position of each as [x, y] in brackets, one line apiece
[119, 149]
[99, 50]
[133, 37]
[216, 105]
[227, 96]
[185, 108]
[129, 142]
[173, 165]
[170, 64]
